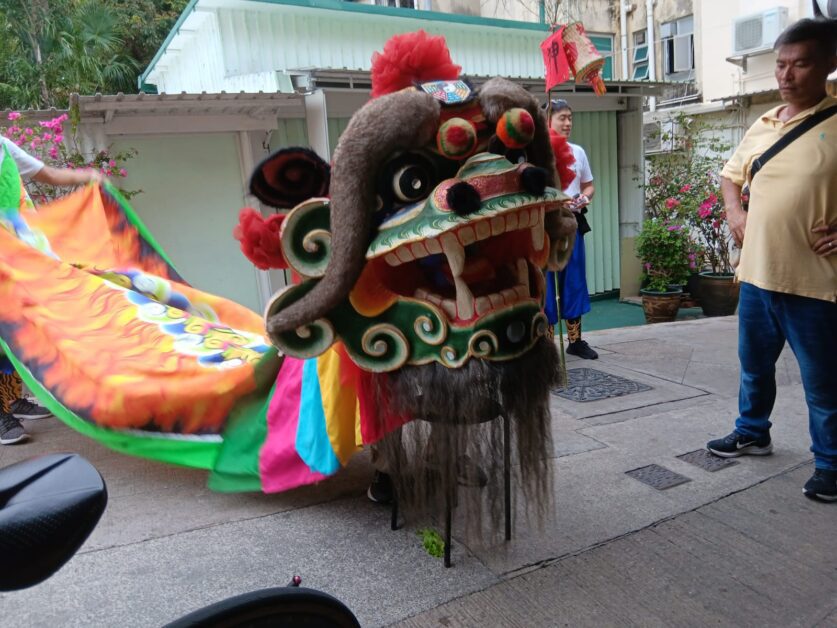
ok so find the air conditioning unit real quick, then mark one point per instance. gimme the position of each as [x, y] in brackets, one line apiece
[757, 33]
[660, 136]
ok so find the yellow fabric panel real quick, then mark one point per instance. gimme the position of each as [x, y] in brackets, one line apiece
[794, 193]
[340, 405]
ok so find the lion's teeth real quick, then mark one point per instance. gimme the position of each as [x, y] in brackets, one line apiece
[538, 230]
[455, 253]
[464, 299]
[523, 273]
[483, 305]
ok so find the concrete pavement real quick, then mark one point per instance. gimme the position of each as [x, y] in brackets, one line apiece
[617, 552]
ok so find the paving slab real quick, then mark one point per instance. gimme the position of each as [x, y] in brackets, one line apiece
[344, 548]
[748, 559]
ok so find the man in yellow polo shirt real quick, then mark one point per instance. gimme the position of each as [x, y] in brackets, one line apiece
[788, 267]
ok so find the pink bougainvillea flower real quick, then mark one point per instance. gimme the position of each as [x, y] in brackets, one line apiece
[28, 131]
[13, 115]
[647, 265]
[123, 172]
[58, 138]
[716, 224]
[671, 203]
[685, 188]
[704, 212]
[713, 198]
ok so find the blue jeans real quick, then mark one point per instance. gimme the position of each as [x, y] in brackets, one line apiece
[765, 320]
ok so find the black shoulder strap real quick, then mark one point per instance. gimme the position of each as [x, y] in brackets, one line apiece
[790, 136]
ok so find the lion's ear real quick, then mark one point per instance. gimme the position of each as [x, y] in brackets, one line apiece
[290, 176]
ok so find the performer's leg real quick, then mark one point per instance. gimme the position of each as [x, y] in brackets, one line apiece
[575, 301]
[11, 431]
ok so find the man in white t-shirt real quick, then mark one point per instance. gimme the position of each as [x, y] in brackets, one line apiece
[572, 281]
[13, 405]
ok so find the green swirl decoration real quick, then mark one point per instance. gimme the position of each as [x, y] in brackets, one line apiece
[431, 328]
[306, 341]
[483, 344]
[306, 238]
[385, 348]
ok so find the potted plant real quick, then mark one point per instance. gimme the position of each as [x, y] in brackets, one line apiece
[718, 288]
[682, 185]
[664, 248]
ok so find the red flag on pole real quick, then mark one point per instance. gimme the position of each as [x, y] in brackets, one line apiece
[555, 59]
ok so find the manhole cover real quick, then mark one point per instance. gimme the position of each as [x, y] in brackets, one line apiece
[658, 477]
[586, 384]
[703, 459]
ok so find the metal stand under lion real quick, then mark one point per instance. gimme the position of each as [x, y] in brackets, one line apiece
[420, 253]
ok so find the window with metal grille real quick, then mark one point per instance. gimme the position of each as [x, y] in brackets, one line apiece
[640, 58]
[677, 40]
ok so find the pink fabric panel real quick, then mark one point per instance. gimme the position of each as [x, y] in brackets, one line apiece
[280, 466]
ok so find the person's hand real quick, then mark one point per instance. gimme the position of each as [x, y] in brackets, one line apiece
[737, 222]
[827, 244]
[91, 175]
[581, 201]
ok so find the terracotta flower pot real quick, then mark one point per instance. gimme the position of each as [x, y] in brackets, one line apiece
[660, 307]
[718, 294]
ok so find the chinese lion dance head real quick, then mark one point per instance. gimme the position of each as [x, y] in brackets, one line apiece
[421, 250]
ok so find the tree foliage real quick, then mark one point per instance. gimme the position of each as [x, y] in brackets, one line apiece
[52, 48]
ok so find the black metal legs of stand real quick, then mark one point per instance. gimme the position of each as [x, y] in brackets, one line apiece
[450, 497]
[507, 473]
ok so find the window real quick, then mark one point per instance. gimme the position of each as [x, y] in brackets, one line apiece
[677, 40]
[639, 60]
[604, 44]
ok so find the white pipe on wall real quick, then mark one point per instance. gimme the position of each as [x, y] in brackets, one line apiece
[652, 49]
[623, 29]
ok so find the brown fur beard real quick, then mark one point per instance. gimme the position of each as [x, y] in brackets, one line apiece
[457, 408]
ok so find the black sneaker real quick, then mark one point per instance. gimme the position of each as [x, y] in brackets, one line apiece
[822, 485]
[582, 350]
[380, 490]
[734, 444]
[26, 410]
[11, 431]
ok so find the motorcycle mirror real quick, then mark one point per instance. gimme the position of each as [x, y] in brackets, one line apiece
[49, 505]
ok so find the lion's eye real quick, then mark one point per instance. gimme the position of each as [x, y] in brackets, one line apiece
[411, 183]
[516, 155]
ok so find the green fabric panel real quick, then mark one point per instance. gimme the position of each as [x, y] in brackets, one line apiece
[237, 466]
[179, 451]
[9, 182]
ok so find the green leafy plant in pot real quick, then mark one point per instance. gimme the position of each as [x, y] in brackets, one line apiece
[668, 255]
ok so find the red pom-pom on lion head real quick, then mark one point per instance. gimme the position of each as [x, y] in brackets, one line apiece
[411, 58]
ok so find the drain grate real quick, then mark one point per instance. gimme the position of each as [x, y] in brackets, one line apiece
[658, 477]
[706, 461]
[586, 384]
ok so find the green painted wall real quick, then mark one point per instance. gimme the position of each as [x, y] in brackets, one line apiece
[192, 192]
[595, 132]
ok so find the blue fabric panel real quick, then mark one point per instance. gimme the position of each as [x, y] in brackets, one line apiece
[312, 442]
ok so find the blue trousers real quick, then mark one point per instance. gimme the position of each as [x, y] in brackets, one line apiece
[765, 320]
[572, 287]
